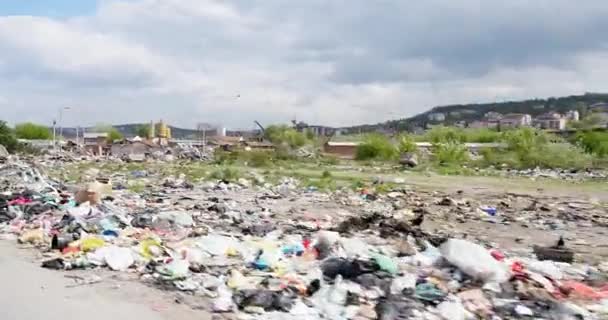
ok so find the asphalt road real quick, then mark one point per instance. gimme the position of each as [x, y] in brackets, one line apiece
[28, 292]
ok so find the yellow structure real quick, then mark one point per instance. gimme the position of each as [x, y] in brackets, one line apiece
[164, 132]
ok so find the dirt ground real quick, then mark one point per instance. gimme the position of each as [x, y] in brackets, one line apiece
[32, 293]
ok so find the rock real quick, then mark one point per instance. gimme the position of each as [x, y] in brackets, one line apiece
[409, 159]
[447, 201]
[3, 152]
[404, 248]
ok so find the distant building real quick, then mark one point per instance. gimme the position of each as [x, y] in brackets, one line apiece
[96, 142]
[460, 124]
[492, 115]
[490, 120]
[315, 129]
[572, 115]
[515, 120]
[550, 121]
[436, 116]
[599, 107]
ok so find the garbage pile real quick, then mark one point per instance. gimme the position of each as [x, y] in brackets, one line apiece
[189, 152]
[560, 174]
[245, 257]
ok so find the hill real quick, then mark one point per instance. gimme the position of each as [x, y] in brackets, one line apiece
[472, 112]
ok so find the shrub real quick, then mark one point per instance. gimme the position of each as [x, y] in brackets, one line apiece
[357, 184]
[377, 147]
[552, 155]
[32, 131]
[450, 153]
[285, 135]
[525, 140]
[326, 174]
[283, 153]
[224, 157]
[556, 155]
[482, 135]
[7, 137]
[442, 134]
[330, 160]
[259, 159]
[595, 143]
[226, 173]
[407, 144]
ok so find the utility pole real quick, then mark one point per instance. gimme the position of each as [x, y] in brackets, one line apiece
[54, 135]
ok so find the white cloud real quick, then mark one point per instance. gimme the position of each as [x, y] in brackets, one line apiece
[337, 63]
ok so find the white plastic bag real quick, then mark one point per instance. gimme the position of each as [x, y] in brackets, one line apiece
[452, 310]
[117, 258]
[223, 302]
[474, 260]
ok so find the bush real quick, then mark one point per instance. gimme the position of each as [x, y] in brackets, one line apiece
[407, 144]
[7, 137]
[32, 131]
[113, 133]
[326, 174]
[442, 134]
[552, 155]
[226, 173]
[282, 153]
[376, 147]
[449, 153]
[595, 143]
[224, 157]
[525, 140]
[285, 135]
[259, 159]
[482, 135]
[556, 155]
[330, 160]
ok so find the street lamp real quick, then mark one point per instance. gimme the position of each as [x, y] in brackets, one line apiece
[60, 112]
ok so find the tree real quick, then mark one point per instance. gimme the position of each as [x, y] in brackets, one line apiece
[113, 133]
[32, 131]
[143, 130]
[309, 134]
[282, 134]
[7, 137]
[582, 109]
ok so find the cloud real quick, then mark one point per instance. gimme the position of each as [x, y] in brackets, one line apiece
[331, 62]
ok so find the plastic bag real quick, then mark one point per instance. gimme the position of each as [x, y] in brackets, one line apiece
[386, 263]
[330, 300]
[150, 248]
[408, 281]
[223, 302]
[91, 243]
[117, 258]
[176, 269]
[474, 260]
[451, 310]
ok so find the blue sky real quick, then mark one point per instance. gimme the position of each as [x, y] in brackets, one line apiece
[52, 8]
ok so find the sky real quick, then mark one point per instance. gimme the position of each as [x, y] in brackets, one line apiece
[337, 62]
